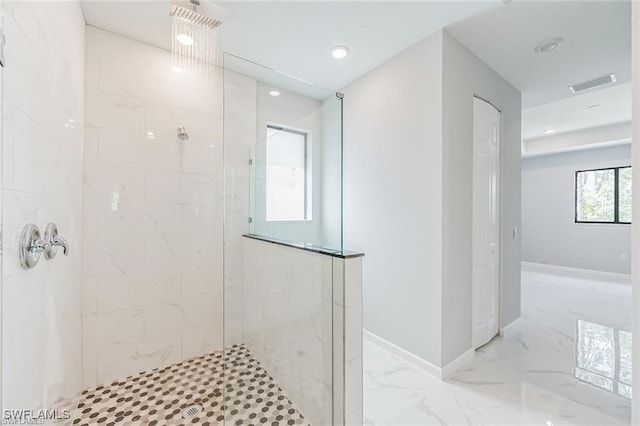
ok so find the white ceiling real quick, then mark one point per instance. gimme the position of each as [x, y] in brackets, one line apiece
[295, 37]
[597, 41]
[573, 113]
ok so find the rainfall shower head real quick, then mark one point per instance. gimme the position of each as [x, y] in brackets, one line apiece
[192, 17]
[195, 40]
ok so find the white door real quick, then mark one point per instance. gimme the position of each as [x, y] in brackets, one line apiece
[486, 221]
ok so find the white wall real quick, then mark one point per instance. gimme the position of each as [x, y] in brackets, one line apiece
[549, 235]
[43, 117]
[153, 209]
[465, 76]
[393, 195]
[408, 191]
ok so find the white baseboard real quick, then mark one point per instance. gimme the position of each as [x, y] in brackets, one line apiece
[589, 273]
[455, 365]
[404, 354]
[512, 328]
[418, 362]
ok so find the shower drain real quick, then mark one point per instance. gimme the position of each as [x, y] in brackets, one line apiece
[191, 411]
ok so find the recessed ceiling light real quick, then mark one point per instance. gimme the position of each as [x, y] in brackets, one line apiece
[593, 106]
[151, 135]
[176, 69]
[549, 131]
[184, 39]
[339, 52]
[548, 45]
[274, 93]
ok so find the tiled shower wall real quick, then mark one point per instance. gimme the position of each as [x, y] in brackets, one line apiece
[303, 323]
[42, 119]
[287, 305]
[153, 209]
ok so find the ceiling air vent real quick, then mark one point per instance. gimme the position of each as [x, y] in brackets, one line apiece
[596, 82]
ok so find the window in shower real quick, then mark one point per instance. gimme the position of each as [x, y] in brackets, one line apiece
[288, 178]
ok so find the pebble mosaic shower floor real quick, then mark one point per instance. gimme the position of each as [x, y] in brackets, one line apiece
[161, 396]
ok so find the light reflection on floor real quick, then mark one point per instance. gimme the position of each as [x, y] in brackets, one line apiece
[603, 357]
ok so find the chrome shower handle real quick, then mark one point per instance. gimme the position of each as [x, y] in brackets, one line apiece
[61, 242]
[54, 240]
[32, 246]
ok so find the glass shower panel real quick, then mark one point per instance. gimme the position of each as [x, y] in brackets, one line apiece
[295, 184]
[283, 221]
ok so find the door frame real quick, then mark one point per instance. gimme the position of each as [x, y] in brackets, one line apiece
[500, 231]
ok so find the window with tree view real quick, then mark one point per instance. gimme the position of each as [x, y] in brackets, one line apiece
[603, 195]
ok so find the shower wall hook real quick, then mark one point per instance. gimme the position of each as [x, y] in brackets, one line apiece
[31, 246]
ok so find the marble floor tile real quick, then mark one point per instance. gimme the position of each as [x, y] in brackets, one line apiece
[568, 365]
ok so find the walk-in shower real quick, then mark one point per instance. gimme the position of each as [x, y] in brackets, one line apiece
[205, 282]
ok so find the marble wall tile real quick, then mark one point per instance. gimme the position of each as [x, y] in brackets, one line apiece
[9, 6]
[89, 366]
[110, 186]
[287, 323]
[43, 125]
[182, 188]
[103, 330]
[109, 44]
[130, 358]
[91, 145]
[353, 331]
[115, 111]
[89, 296]
[92, 70]
[138, 289]
[89, 218]
[203, 280]
[347, 343]
[112, 257]
[201, 340]
[8, 142]
[353, 391]
[141, 81]
[353, 276]
[153, 208]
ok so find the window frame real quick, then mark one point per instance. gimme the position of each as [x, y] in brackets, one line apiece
[307, 184]
[616, 196]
